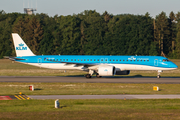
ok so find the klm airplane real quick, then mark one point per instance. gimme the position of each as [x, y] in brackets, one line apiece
[101, 65]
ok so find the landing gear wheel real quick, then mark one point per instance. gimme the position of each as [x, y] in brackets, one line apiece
[88, 76]
[97, 75]
[158, 76]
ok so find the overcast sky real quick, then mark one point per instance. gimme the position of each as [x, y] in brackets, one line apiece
[70, 7]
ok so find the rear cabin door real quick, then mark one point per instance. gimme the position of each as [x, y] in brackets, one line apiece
[39, 61]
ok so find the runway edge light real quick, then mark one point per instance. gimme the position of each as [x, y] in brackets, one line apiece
[31, 88]
[57, 103]
[155, 88]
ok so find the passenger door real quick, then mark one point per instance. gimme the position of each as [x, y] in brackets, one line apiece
[156, 62]
[39, 61]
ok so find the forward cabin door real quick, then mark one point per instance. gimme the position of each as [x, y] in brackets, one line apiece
[156, 62]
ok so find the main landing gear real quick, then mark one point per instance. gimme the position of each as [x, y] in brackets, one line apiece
[88, 76]
[98, 76]
[91, 72]
[159, 72]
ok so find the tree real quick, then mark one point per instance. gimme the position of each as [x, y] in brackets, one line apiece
[173, 32]
[34, 34]
[162, 32]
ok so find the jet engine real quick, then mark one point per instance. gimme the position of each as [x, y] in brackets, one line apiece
[106, 70]
[125, 72]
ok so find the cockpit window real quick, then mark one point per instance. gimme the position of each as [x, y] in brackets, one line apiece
[165, 60]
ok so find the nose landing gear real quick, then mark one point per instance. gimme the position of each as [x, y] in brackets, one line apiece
[159, 72]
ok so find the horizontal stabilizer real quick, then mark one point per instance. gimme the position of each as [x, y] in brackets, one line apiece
[14, 58]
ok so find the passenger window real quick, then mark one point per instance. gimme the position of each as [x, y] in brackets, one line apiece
[71, 59]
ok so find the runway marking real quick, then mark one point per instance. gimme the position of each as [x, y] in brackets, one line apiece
[13, 97]
[22, 97]
[17, 97]
[5, 98]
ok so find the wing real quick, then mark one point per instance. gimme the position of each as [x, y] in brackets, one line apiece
[80, 64]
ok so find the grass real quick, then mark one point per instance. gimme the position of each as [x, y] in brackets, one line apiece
[91, 109]
[86, 88]
[10, 68]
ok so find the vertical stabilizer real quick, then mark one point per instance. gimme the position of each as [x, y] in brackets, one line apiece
[20, 46]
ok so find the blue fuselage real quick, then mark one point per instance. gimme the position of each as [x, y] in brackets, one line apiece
[151, 61]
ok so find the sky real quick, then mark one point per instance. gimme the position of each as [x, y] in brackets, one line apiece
[70, 7]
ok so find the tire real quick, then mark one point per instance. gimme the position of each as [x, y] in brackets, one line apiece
[97, 75]
[158, 76]
[88, 76]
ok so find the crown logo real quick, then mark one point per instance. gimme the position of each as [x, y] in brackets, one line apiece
[21, 44]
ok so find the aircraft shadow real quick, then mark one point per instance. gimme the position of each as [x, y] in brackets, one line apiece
[134, 76]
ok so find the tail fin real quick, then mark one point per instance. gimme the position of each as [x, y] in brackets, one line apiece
[20, 46]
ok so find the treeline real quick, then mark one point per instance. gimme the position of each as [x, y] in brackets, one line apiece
[92, 33]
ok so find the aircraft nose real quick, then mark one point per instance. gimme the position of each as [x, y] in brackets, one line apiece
[174, 66]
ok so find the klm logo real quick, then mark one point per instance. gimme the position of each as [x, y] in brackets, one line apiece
[105, 70]
[21, 47]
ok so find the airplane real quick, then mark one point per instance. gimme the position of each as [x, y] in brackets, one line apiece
[101, 65]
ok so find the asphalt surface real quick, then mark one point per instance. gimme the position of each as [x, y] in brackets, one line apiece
[75, 79]
[104, 96]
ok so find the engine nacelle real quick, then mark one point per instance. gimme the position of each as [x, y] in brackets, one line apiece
[106, 70]
[125, 72]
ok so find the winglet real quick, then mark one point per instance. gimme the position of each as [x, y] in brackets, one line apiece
[20, 46]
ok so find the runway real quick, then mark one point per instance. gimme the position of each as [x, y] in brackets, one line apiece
[104, 96]
[75, 79]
